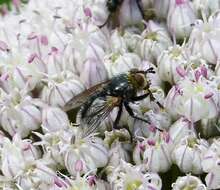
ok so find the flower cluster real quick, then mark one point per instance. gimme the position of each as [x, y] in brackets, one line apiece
[50, 51]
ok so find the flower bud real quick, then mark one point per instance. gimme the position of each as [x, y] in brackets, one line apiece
[117, 42]
[58, 93]
[54, 119]
[180, 18]
[188, 153]
[161, 8]
[25, 76]
[130, 13]
[93, 73]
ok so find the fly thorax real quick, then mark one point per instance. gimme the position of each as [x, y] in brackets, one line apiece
[137, 80]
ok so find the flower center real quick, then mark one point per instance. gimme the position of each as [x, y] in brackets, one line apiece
[151, 36]
[191, 142]
[175, 52]
[133, 185]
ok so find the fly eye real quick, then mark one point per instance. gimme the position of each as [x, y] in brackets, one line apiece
[139, 79]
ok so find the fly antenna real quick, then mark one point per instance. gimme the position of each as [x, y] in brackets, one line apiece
[150, 70]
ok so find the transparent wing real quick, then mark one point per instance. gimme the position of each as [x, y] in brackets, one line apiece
[97, 112]
[81, 98]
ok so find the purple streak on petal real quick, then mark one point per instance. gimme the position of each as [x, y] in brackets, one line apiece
[207, 157]
[54, 50]
[211, 180]
[166, 136]
[204, 71]
[92, 180]
[151, 142]
[32, 36]
[181, 71]
[141, 146]
[3, 46]
[152, 128]
[32, 57]
[209, 95]
[4, 77]
[79, 165]
[44, 40]
[197, 75]
[59, 182]
[16, 3]
[180, 2]
[88, 12]
[150, 187]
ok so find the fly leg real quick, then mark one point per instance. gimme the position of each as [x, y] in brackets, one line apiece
[135, 116]
[132, 114]
[138, 98]
[153, 99]
[115, 124]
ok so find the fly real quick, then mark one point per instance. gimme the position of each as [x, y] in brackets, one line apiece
[97, 102]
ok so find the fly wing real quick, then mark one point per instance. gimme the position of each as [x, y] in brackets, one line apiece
[97, 112]
[81, 98]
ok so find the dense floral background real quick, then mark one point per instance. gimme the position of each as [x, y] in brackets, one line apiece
[51, 50]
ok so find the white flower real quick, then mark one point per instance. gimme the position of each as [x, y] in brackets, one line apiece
[204, 39]
[90, 151]
[93, 73]
[19, 114]
[171, 64]
[120, 63]
[189, 153]
[96, 11]
[54, 119]
[209, 127]
[130, 13]
[180, 17]
[188, 182]
[126, 176]
[13, 161]
[212, 156]
[118, 142]
[193, 99]
[212, 178]
[161, 8]
[154, 40]
[210, 165]
[207, 7]
[87, 182]
[180, 129]
[59, 90]
[154, 154]
[54, 144]
[117, 42]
